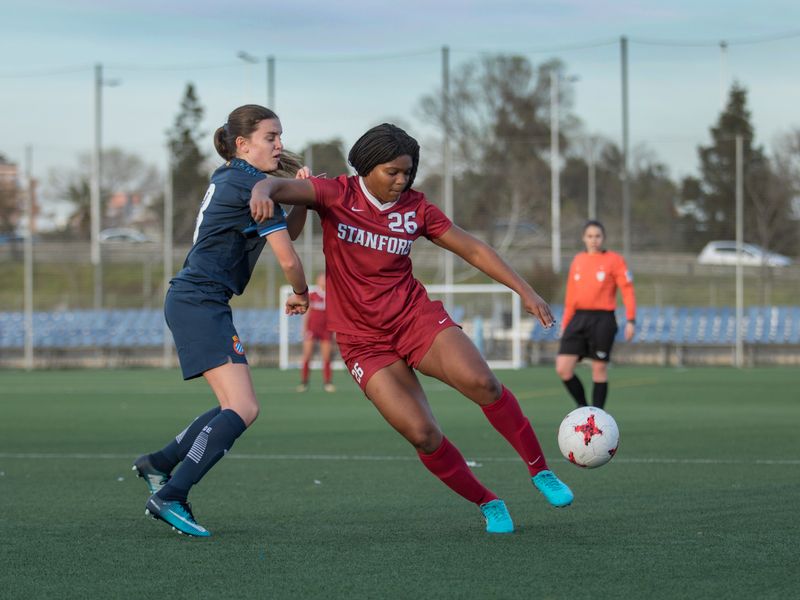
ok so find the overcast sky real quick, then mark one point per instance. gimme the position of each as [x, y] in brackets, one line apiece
[342, 66]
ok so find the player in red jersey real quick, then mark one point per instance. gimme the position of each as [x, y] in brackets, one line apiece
[386, 325]
[589, 325]
[315, 329]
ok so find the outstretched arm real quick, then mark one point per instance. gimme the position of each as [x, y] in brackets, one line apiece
[292, 268]
[297, 216]
[484, 258]
[284, 191]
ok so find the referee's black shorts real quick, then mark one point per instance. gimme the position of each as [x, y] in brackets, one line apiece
[590, 334]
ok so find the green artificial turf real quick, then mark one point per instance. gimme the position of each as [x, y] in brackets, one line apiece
[322, 499]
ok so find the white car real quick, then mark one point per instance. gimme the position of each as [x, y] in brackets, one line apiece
[724, 253]
[123, 234]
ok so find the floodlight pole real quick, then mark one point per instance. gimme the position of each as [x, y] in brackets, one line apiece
[592, 184]
[739, 252]
[447, 168]
[271, 82]
[555, 180]
[29, 226]
[168, 250]
[94, 201]
[626, 191]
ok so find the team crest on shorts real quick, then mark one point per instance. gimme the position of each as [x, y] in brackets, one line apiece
[237, 345]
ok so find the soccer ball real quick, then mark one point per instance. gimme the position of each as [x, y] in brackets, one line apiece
[588, 437]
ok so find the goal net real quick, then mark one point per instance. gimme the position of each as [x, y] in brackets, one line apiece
[490, 314]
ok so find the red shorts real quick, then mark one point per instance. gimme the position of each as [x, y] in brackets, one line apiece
[320, 335]
[365, 355]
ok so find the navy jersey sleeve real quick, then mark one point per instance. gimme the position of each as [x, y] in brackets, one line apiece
[276, 223]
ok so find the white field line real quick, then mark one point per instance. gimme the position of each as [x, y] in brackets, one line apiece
[360, 458]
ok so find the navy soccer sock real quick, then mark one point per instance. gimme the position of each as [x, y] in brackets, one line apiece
[211, 444]
[170, 455]
[599, 393]
[575, 388]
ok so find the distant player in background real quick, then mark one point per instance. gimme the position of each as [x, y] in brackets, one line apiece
[227, 243]
[589, 325]
[387, 327]
[315, 329]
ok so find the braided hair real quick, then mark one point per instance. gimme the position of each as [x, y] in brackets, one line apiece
[382, 144]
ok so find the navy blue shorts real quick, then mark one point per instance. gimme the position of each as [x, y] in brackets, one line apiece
[201, 323]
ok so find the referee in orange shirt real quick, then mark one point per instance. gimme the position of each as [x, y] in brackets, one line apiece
[588, 327]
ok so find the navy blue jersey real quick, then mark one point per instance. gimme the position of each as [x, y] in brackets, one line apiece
[227, 241]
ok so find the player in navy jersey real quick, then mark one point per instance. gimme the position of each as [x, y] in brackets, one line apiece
[385, 324]
[227, 243]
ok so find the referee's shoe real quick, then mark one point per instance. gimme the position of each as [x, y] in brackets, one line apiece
[175, 513]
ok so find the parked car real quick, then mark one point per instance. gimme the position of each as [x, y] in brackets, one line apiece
[724, 253]
[124, 234]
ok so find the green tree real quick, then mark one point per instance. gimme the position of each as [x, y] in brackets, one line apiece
[189, 172]
[499, 115]
[764, 206]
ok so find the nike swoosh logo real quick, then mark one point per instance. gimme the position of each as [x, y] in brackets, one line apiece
[443, 320]
[533, 462]
[354, 209]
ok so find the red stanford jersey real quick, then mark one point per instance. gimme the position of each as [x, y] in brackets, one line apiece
[370, 286]
[317, 317]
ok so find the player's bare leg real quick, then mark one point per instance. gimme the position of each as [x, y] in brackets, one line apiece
[397, 394]
[326, 351]
[308, 351]
[454, 359]
[233, 386]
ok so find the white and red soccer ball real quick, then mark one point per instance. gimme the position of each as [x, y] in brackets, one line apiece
[588, 437]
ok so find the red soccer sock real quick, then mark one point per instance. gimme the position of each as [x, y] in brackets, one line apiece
[506, 416]
[447, 463]
[304, 372]
[326, 372]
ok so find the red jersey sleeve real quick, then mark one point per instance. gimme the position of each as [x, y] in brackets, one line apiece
[624, 280]
[328, 191]
[436, 222]
[569, 297]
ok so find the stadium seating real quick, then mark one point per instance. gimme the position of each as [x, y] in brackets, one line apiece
[708, 326]
[133, 328]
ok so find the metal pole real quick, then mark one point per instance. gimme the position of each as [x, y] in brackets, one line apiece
[94, 208]
[592, 212]
[271, 82]
[723, 73]
[29, 225]
[168, 243]
[626, 192]
[555, 191]
[308, 231]
[447, 168]
[739, 255]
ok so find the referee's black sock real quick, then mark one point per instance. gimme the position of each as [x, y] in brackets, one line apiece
[599, 393]
[575, 388]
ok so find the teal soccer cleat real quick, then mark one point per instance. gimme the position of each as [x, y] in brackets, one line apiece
[497, 518]
[175, 513]
[153, 478]
[556, 492]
